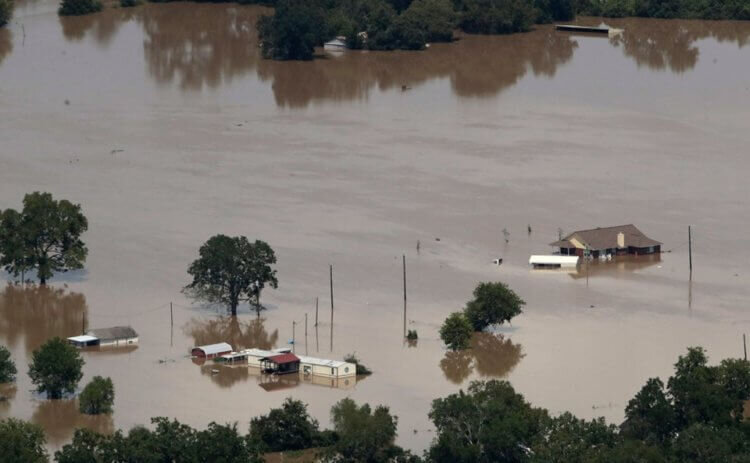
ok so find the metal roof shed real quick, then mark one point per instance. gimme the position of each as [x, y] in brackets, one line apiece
[83, 341]
[280, 364]
[553, 261]
[211, 350]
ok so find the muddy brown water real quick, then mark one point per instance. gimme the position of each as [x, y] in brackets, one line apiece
[165, 124]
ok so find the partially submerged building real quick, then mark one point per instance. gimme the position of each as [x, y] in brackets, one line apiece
[211, 350]
[280, 364]
[547, 262]
[607, 241]
[106, 337]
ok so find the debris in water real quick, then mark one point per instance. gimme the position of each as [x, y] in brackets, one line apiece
[116, 151]
[67, 102]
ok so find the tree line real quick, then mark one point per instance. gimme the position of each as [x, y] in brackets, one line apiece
[696, 416]
[6, 11]
[667, 9]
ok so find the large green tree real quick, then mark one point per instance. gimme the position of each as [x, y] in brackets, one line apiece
[21, 442]
[97, 397]
[493, 304]
[7, 367]
[364, 435]
[56, 368]
[287, 428]
[231, 270]
[649, 416]
[456, 331]
[294, 30]
[45, 236]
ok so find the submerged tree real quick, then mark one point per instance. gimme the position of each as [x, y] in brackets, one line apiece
[7, 367]
[45, 236]
[493, 304]
[22, 442]
[97, 397]
[6, 11]
[456, 331]
[79, 7]
[232, 270]
[56, 368]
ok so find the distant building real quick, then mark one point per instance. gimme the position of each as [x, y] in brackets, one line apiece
[608, 241]
[280, 364]
[106, 337]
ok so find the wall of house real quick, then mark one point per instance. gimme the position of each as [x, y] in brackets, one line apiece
[118, 342]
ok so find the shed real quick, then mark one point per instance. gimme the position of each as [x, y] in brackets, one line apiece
[83, 340]
[553, 261]
[327, 368]
[280, 364]
[607, 241]
[211, 350]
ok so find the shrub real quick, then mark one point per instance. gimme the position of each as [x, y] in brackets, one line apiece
[56, 368]
[361, 369]
[79, 7]
[6, 11]
[412, 335]
[456, 331]
[97, 397]
[7, 367]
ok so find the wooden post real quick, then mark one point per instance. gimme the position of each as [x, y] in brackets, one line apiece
[294, 343]
[316, 311]
[403, 257]
[744, 345]
[690, 249]
[305, 333]
[171, 315]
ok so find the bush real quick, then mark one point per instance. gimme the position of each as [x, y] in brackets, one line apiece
[493, 304]
[361, 369]
[6, 11]
[7, 367]
[287, 428]
[97, 397]
[21, 442]
[456, 331]
[364, 435]
[412, 335]
[130, 3]
[79, 7]
[56, 368]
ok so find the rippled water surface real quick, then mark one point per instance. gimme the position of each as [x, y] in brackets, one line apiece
[167, 126]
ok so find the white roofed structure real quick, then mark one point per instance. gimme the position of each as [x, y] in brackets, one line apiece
[553, 261]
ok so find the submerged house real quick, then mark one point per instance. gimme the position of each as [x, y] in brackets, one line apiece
[280, 364]
[211, 350]
[607, 241]
[106, 337]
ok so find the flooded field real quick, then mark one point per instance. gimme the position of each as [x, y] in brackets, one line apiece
[167, 127]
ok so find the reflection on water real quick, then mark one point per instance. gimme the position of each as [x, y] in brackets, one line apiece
[241, 335]
[7, 394]
[102, 26]
[621, 266]
[490, 355]
[671, 44]
[226, 375]
[6, 43]
[200, 44]
[37, 313]
[60, 418]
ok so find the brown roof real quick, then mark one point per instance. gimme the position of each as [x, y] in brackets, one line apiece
[283, 358]
[606, 238]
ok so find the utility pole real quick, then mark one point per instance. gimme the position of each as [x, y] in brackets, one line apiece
[171, 315]
[305, 333]
[744, 345]
[294, 343]
[403, 256]
[330, 269]
[316, 311]
[690, 249]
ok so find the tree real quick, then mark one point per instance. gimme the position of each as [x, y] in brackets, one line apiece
[22, 442]
[434, 18]
[7, 367]
[567, 438]
[490, 422]
[365, 435]
[222, 443]
[287, 428]
[649, 416]
[231, 270]
[97, 397]
[456, 331]
[294, 30]
[493, 303]
[6, 11]
[79, 7]
[56, 368]
[44, 236]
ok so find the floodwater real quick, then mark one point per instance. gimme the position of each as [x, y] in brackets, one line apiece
[167, 127]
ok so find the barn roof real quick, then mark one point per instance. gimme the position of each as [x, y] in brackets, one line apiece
[606, 238]
[116, 332]
[281, 359]
[212, 349]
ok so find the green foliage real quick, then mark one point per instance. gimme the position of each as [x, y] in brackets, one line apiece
[490, 422]
[294, 30]
[44, 236]
[56, 368]
[362, 370]
[435, 19]
[130, 3]
[493, 303]
[567, 438]
[649, 416]
[79, 7]
[287, 428]
[232, 270]
[553, 10]
[456, 331]
[169, 441]
[495, 16]
[97, 397]
[7, 367]
[364, 435]
[21, 442]
[689, 9]
[412, 335]
[6, 11]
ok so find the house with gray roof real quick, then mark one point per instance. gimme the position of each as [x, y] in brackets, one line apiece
[607, 241]
[107, 337]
